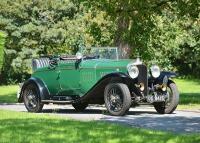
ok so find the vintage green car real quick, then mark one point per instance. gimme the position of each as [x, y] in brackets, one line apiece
[98, 76]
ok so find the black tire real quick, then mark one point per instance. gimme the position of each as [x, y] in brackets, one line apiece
[117, 95]
[31, 98]
[79, 107]
[169, 106]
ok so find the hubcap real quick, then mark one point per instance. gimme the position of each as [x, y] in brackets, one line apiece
[115, 99]
[31, 100]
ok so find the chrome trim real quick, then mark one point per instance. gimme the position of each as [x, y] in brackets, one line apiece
[101, 67]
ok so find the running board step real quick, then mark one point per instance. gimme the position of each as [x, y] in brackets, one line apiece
[56, 101]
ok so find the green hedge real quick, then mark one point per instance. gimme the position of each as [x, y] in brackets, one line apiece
[2, 38]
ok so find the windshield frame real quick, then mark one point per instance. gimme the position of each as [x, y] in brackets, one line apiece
[82, 49]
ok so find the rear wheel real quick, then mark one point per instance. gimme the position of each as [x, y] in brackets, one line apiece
[31, 98]
[79, 107]
[171, 103]
[117, 99]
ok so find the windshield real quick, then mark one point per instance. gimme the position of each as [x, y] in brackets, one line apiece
[101, 52]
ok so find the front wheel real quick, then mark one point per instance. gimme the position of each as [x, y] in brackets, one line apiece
[117, 99]
[171, 103]
[31, 98]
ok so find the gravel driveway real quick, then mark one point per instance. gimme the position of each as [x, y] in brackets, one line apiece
[144, 116]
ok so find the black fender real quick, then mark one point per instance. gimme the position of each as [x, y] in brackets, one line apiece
[164, 77]
[168, 74]
[96, 94]
[43, 90]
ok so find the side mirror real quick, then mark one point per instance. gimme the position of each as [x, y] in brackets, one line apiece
[79, 55]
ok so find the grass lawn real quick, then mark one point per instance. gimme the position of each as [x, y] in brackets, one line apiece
[35, 128]
[8, 94]
[189, 93]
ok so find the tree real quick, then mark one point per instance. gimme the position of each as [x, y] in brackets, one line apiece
[164, 32]
[2, 40]
[135, 20]
[47, 27]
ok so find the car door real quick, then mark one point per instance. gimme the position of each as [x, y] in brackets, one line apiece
[50, 76]
[69, 78]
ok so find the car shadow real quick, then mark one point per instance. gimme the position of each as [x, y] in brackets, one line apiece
[72, 111]
[177, 123]
[93, 111]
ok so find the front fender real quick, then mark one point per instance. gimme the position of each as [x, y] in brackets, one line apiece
[43, 90]
[163, 78]
[96, 94]
[168, 74]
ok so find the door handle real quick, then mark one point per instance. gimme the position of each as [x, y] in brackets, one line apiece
[58, 72]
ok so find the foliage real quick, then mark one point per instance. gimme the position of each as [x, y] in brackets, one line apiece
[2, 38]
[175, 42]
[26, 127]
[163, 32]
[47, 27]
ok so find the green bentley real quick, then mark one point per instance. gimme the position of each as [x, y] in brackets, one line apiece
[98, 76]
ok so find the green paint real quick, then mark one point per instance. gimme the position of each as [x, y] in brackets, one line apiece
[66, 79]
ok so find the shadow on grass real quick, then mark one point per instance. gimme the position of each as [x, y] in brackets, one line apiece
[8, 98]
[58, 130]
[189, 98]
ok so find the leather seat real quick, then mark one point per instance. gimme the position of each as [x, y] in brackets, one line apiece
[40, 63]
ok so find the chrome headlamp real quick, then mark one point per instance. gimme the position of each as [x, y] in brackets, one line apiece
[155, 71]
[133, 71]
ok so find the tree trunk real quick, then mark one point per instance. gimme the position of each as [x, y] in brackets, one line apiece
[120, 40]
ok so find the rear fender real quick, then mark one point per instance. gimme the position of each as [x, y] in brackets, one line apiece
[43, 90]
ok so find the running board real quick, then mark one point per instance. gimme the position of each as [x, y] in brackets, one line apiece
[56, 101]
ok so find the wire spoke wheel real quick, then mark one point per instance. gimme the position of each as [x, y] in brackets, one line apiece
[32, 99]
[171, 102]
[117, 98]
